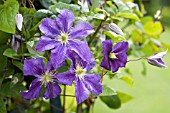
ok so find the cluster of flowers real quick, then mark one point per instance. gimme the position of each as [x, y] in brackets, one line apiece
[66, 42]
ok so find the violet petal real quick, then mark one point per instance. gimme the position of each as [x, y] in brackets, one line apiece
[92, 82]
[114, 65]
[82, 49]
[65, 20]
[120, 47]
[34, 90]
[58, 55]
[65, 78]
[106, 47]
[105, 63]
[49, 27]
[82, 93]
[33, 67]
[81, 30]
[52, 90]
[45, 43]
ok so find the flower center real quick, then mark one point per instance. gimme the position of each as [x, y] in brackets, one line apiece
[112, 56]
[63, 38]
[46, 78]
[80, 72]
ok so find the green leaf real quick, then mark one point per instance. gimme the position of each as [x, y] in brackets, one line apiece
[18, 64]
[152, 28]
[124, 97]
[65, 1]
[106, 91]
[112, 101]
[2, 106]
[115, 37]
[30, 47]
[137, 37]
[146, 19]
[8, 12]
[3, 59]
[60, 6]
[144, 71]
[47, 3]
[42, 13]
[95, 4]
[128, 15]
[99, 16]
[10, 53]
[28, 15]
[11, 90]
[4, 37]
[127, 79]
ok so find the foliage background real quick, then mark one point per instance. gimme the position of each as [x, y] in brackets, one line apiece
[151, 92]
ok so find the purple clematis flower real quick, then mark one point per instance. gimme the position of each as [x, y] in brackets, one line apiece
[90, 2]
[44, 76]
[156, 59]
[84, 82]
[114, 57]
[60, 36]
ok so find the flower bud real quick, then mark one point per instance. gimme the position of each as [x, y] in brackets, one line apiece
[114, 28]
[156, 59]
[19, 21]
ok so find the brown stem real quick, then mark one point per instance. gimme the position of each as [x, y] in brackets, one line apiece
[67, 95]
[103, 73]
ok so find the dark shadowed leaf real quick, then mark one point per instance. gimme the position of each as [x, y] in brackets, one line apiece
[18, 64]
[3, 59]
[111, 101]
[2, 106]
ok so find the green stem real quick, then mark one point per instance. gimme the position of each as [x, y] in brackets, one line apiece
[137, 59]
[55, 104]
[95, 33]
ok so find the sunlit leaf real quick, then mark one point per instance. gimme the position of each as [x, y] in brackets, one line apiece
[8, 12]
[137, 37]
[152, 28]
[129, 16]
[128, 79]
[124, 97]
[106, 91]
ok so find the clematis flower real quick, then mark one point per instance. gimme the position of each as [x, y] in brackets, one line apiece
[90, 2]
[60, 36]
[84, 82]
[156, 59]
[114, 57]
[44, 76]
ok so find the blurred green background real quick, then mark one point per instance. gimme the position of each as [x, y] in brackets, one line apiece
[151, 92]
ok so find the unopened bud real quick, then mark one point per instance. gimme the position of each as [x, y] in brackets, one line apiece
[114, 28]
